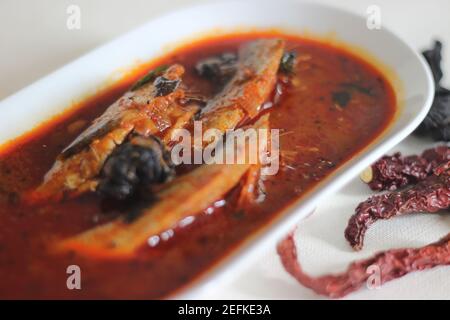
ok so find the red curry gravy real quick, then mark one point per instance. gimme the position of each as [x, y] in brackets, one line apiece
[317, 135]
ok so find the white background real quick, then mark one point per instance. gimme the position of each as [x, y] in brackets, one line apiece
[34, 41]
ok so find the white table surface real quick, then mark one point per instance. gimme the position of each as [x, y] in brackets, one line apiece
[35, 41]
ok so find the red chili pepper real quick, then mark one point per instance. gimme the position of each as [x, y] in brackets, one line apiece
[391, 264]
[396, 171]
[428, 196]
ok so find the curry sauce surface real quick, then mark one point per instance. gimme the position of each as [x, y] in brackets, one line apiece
[317, 134]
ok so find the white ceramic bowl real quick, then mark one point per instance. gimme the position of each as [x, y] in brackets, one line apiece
[409, 75]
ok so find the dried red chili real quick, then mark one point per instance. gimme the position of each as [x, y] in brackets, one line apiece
[428, 196]
[392, 264]
[396, 171]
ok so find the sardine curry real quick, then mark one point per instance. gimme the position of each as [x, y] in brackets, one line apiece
[97, 187]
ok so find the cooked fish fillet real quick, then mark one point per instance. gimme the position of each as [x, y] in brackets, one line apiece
[249, 88]
[142, 111]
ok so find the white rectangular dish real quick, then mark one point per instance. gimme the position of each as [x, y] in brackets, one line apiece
[405, 69]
